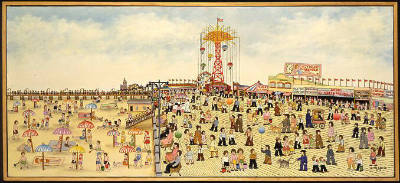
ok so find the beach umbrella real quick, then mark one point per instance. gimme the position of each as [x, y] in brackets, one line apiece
[113, 133]
[27, 114]
[43, 148]
[134, 132]
[127, 150]
[29, 133]
[62, 131]
[77, 149]
[86, 124]
[17, 103]
[91, 106]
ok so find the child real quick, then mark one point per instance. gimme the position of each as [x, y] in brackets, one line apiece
[253, 159]
[341, 144]
[359, 162]
[15, 129]
[189, 156]
[365, 118]
[146, 140]
[297, 141]
[80, 160]
[381, 147]
[267, 152]
[355, 131]
[213, 146]
[315, 164]
[225, 162]
[106, 162]
[372, 120]
[200, 152]
[22, 161]
[306, 139]
[98, 161]
[351, 159]
[241, 159]
[330, 156]
[231, 137]
[203, 137]
[222, 137]
[123, 138]
[300, 123]
[322, 165]
[73, 161]
[372, 157]
[149, 159]
[331, 132]
[126, 161]
[312, 141]
[138, 157]
[67, 122]
[234, 160]
[286, 148]
[291, 150]
[371, 136]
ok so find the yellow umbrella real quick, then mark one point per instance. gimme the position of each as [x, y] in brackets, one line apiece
[134, 132]
[77, 149]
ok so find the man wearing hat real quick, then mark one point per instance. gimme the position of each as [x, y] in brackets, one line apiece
[303, 161]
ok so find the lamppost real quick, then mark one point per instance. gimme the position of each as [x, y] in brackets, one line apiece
[158, 84]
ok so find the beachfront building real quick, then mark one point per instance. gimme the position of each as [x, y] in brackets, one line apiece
[139, 105]
[280, 84]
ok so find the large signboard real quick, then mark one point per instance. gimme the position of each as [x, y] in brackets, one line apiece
[377, 92]
[325, 92]
[298, 91]
[311, 91]
[343, 93]
[301, 69]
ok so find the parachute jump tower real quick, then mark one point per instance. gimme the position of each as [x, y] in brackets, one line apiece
[219, 54]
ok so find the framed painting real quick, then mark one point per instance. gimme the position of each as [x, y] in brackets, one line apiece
[200, 91]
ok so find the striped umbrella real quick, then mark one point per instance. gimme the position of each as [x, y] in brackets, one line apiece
[77, 149]
[113, 133]
[85, 124]
[62, 131]
[134, 132]
[43, 148]
[17, 103]
[91, 106]
[27, 114]
[29, 133]
[127, 150]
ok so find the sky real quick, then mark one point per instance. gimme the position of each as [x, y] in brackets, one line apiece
[97, 47]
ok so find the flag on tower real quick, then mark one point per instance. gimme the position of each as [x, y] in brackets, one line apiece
[220, 20]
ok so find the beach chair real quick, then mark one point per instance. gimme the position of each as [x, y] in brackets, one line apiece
[176, 170]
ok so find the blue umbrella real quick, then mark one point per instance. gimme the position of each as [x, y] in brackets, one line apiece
[91, 106]
[17, 103]
[43, 148]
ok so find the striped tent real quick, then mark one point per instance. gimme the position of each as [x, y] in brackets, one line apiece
[257, 87]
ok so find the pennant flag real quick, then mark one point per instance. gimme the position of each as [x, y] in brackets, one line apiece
[329, 79]
[323, 79]
[336, 79]
[347, 79]
[353, 80]
[220, 20]
[359, 80]
[365, 80]
[341, 80]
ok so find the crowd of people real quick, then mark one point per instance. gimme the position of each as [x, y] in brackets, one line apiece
[215, 120]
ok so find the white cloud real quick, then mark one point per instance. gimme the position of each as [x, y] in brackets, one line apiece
[59, 53]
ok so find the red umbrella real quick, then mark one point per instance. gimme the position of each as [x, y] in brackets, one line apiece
[62, 132]
[127, 149]
[29, 133]
[85, 124]
[113, 133]
[35, 100]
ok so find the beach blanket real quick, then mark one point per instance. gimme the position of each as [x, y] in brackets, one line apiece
[54, 144]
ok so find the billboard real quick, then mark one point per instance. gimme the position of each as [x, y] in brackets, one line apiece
[301, 69]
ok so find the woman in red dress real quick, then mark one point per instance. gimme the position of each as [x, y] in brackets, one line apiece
[146, 140]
